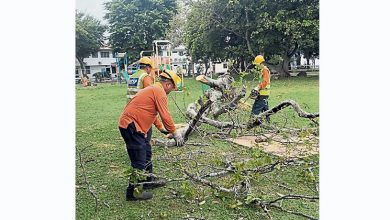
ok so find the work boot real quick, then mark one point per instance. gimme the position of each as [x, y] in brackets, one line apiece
[133, 196]
[157, 182]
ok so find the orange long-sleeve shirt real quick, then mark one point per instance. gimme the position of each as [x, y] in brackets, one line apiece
[265, 75]
[143, 109]
[148, 81]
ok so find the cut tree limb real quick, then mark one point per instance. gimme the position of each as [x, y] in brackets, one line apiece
[221, 83]
[196, 119]
[279, 107]
[294, 213]
[191, 113]
[215, 96]
[207, 183]
[232, 105]
[185, 131]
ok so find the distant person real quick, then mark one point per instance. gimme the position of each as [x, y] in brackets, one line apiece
[262, 91]
[121, 75]
[136, 122]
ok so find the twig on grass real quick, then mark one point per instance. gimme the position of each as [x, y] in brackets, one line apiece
[292, 212]
[90, 187]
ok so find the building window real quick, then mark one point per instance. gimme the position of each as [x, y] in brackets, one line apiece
[184, 66]
[174, 51]
[181, 53]
[88, 70]
[104, 54]
[95, 55]
[225, 65]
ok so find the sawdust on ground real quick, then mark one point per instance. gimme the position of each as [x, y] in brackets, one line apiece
[293, 147]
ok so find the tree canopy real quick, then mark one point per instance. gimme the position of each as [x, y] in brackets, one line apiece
[175, 33]
[241, 29]
[89, 36]
[134, 24]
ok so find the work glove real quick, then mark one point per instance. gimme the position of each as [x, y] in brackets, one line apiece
[254, 93]
[179, 139]
[164, 131]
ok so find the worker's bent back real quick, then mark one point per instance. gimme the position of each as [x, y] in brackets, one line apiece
[143, 109]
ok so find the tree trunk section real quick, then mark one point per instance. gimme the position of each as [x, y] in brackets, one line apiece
[187, 130]
[81, 61]
[84, 77]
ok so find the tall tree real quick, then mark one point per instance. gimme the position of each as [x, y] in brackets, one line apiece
[203, 40]
[134, 24]
[246, 28]
[175, 33]
[89, 37]
[285, 27]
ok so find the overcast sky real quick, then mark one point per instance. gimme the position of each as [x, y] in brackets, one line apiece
[92, 7]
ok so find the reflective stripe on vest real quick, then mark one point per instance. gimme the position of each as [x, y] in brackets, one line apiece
[135, 82]
[266, 90]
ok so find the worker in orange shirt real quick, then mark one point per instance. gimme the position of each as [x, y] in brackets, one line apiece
[261, 92]
[137, 81]
[137, 119]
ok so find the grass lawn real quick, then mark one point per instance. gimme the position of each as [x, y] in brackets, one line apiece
[105, 159]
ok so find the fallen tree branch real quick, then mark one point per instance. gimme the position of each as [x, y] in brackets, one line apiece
[191, 112]
[254, 122]
[265, 209]
[196, 119]
[259, 202]
[208, 183]
[215, 96]
[197, 144]
[265, 204]
[185, 131]
[294, 213]
[279, 107]
[295, 106]
[293, 197]
[221, 83]
[232, 105]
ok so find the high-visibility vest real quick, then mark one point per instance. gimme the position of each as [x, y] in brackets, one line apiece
[267, 89]
[135, 83]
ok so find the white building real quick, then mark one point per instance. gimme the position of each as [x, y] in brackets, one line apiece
[313, 62]
[215, 68]
[180, 61]
[101, 61]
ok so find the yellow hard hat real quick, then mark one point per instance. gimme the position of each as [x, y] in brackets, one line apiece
[258, 59]
[145, 61]
[170, 74]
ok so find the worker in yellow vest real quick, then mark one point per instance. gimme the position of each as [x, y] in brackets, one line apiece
[141, 78]
[261, 92]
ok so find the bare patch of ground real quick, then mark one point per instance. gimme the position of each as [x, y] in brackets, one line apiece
[283, 147]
